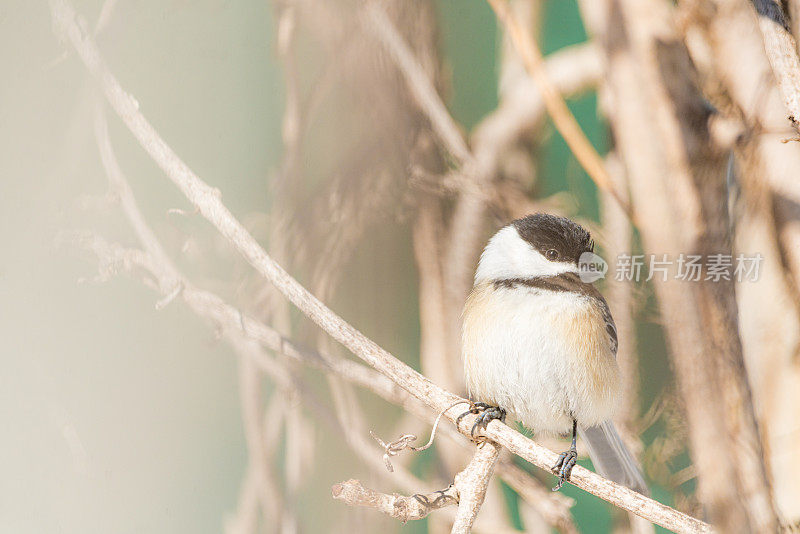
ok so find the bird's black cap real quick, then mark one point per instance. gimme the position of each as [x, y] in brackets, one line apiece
[547, 232]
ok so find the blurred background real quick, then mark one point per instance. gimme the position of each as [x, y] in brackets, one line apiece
[125, 410]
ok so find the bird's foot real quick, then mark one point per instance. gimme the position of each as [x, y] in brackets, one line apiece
[487, 413]
[441, 497]
[563, 468]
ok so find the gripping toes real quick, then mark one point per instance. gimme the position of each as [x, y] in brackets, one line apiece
[487, 414]
[563, 468]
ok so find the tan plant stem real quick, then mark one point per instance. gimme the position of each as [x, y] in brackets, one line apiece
[563, 119]
[679, 179]
[781, 51]
[472, 484]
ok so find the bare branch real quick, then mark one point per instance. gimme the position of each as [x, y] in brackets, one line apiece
[764, 172]
[269, 495]
[781, 51]
[260, 476]
[572, 69]
[377, 22]
[553, 507]
[207, 200]
[472, 483]
[428, 234]
[417, 506]
[120, 187]
[680, 182]
[468, 491]
[617, 239]
[119, 258]
[562, 117]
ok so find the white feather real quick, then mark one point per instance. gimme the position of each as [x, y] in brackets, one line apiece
[516, 357]
[509, 256]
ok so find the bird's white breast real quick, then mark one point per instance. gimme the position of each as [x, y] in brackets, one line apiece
[545, 356]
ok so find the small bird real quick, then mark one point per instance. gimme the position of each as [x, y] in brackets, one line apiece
[540, 344]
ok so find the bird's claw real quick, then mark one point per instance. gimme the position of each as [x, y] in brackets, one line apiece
[563, 468]
[441, 497]
[487, 413]
[474, 407]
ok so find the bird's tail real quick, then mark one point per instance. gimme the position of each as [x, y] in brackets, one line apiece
[611, 457]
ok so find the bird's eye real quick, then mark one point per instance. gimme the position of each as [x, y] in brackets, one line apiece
[551, 254]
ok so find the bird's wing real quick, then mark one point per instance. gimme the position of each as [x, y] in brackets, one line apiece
[611, 328]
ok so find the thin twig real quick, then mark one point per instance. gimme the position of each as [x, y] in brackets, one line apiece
[468, 491]
[417, 506]
[563, 119]
[472, 484]
[269, 494]
[393, 448]
[376, 21]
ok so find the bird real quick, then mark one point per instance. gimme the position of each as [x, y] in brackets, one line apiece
[540, 343]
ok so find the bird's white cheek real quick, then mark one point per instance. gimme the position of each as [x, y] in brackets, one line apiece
[509, 256]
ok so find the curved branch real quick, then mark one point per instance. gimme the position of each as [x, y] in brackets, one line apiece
[207, 201]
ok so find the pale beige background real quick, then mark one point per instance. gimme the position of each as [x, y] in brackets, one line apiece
[115, 417]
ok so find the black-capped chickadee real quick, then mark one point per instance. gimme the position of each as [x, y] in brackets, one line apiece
[540, 343]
